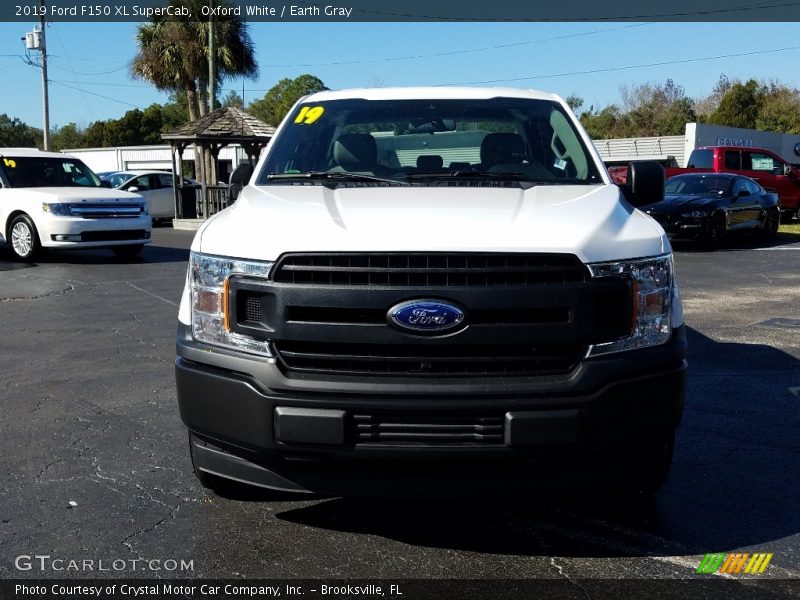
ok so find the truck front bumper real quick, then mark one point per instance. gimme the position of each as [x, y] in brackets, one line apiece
[253, 424]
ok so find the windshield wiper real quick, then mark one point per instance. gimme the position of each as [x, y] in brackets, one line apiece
[328, 176]
[510, 176]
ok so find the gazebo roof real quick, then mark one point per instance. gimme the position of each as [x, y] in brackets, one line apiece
[226, 124]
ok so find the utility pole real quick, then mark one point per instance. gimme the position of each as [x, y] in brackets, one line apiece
[45, 95]
[212, 61]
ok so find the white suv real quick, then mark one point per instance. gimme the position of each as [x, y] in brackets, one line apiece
[433, 291]
[55, 201]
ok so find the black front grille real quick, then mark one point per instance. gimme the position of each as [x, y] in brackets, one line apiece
[427, 430]
[113, 236]
[427, 360]
[429, 269]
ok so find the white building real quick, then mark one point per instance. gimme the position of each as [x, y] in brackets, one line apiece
[698, 135]
[127, 158]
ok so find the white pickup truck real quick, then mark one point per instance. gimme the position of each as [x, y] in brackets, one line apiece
[54, 201]
[433, 291]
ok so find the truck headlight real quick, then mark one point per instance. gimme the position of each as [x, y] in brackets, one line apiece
[652, 280]
[209, 278]
[56, 208]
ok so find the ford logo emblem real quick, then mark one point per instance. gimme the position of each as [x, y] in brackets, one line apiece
[426, 316]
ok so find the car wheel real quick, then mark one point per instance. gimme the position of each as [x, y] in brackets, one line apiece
[771, 224]
[24, 238]
[716, 232]
[128, 251]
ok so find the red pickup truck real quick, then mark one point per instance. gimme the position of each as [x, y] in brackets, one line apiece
[767, 168]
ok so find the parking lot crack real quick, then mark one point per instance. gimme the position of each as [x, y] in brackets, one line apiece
[58, 292]
[127, 542]
[560, 569]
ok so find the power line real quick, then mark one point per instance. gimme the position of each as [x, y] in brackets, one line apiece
[463, 51]
[627, 67]
[61, 83]
[83, 94]
[100, 83]
[94, 74]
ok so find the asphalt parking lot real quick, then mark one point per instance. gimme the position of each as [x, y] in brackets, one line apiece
[89, 416]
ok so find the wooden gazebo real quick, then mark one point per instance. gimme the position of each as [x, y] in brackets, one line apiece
[212, 132]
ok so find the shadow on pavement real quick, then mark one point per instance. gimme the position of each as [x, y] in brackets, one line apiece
[734, 481]
[150, 254]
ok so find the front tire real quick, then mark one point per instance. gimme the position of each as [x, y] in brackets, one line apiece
[771, 224]
[24, 238]
[717, 229]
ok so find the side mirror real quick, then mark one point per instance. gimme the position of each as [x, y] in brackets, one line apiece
[645, 183]
[239, 178]
[132, 189]
[787, 169]
[743, 193]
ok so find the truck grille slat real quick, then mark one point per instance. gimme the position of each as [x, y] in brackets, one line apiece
[368, 359]
[432, 430]
[426, 270]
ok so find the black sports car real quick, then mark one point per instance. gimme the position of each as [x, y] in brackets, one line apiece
[709, 206]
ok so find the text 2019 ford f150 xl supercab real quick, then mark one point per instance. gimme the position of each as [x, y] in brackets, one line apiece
[433, 291]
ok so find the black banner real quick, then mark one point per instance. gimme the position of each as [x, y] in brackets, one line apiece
[711, 588]
[300, 11]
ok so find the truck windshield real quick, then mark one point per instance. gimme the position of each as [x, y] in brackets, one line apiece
[36, 171]
[379, 142]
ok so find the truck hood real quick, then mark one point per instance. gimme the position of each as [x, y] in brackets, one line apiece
[588, 221]
[77, 194]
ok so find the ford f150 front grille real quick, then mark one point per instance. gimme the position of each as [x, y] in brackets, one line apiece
[388, 429]
[419, 360]
[524, 315]
[431, 269]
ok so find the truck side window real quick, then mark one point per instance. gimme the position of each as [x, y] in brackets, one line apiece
[733, 160]
[762, 162]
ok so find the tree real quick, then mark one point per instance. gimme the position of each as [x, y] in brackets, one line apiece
[282, 96]
[574, 102]
[705, 106]
[674, 120]
[780, 110]
[66, 137]
[740, 105]
[657, 109]
[607, 123]
[173, 54]
[233, 99]
[14, 132]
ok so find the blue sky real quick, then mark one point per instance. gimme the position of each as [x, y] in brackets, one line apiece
[90, 81]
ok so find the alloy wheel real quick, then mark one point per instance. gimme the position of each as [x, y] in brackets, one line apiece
[22, 239]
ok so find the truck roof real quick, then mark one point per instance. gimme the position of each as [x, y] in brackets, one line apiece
[31, 152]
[431, 93]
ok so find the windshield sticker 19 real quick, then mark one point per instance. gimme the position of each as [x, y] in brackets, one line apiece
[10, 163]
[309, 115]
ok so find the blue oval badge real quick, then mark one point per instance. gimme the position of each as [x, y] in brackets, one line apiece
[426, 316]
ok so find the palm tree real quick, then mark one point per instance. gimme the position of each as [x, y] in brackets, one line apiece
[173, 55]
